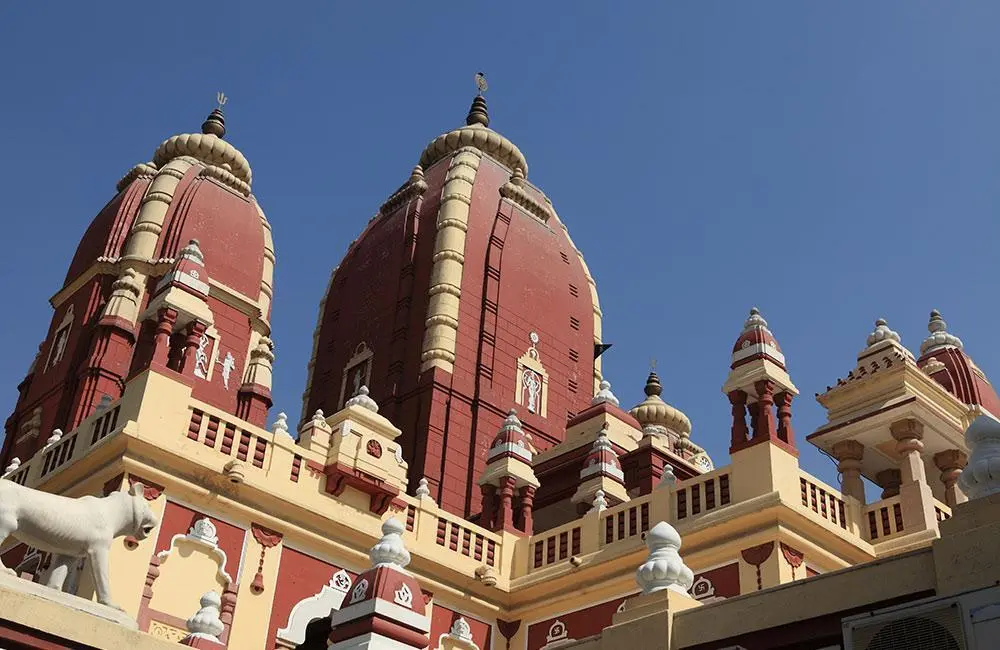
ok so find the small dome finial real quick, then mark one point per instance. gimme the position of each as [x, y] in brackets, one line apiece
[653, 386]
[939, 336]
[215, 124]
[477, 112]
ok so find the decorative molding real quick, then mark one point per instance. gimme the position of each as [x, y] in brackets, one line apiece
[204, 534]
[151, 491]
[330, 598]
[267, 538]
[756, 556]
[793, 557]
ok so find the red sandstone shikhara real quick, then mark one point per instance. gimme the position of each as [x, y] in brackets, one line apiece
[459, 415]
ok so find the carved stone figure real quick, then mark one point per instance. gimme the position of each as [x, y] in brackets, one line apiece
[73, 528]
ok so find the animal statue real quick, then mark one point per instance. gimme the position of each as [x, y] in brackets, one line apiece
[73, 528]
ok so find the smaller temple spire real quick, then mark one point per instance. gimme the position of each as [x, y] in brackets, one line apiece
[215, 123]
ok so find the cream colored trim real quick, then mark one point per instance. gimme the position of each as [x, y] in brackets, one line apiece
[142, 170]
[267, 278]
[206, 148]
[478, 138]
[449, 248]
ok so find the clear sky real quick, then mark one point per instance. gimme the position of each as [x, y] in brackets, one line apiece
[829, 162]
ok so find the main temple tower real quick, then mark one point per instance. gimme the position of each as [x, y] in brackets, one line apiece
[464, 297]
[174, 272]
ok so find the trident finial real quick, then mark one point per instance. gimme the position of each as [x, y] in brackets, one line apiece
[652, 363]
[221, 98]
[481, 82]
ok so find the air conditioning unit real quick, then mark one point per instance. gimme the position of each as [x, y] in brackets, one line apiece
[938, 624]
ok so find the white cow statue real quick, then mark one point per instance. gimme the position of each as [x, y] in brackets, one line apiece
[73, 528]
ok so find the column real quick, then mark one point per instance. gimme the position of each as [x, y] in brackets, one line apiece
[784, 402]
[166, 318]
[489, 506]
[908, 434]
[915, 497]
[505, 513]
[527, 503]
[951, 463]
[191, 341]
[849, 454]
[738, 399]
[889, 480]
[765, 410]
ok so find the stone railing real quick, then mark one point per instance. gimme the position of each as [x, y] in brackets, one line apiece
[626, 521]
[59, 454]
[702, 494]
[941, 511]
[883, 520]
[228, 435]
[822, 500]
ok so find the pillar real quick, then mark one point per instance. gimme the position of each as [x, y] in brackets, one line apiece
[784, 402]
[849, 454]
[909, 434]
[166, 318]
[527, 503]
[191, 341]
[505, 513]
[889, 480]
[489, 506]
[738, 400]
[951, 463]
[765, 414]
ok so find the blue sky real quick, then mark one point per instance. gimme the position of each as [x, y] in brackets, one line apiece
[829, 162]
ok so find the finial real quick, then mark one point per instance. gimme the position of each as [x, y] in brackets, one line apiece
[319, 417]
[754, 320]
[882, 333]
[206, 623]
[461, 630]
[281, 424]
[417, 174]
[56, 436]
[15, 463]
[361, 399]
[600, 502]
[215, 124]
[653, 386]
[517, 178]
[423, 490]
[939, 336]
[664, 568]
[669, 479]
[192, 252]
[390, 549]
[604, 395]
[981, 476]
[478, 113]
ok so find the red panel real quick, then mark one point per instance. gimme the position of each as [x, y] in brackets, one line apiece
[299, 577]
[442, 619]
[579, 624]
[178, 519]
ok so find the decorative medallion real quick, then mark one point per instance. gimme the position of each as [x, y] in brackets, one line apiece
[204, 530]
[403, 596]
[557, 632]
[702, 588]
[374, 448]
[341, 581]
[360, 590]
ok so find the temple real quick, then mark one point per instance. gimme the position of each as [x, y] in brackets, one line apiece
[462, 475]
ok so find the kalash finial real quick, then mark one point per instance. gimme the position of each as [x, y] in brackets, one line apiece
[478, 113]
[653, 386]
[215, 124]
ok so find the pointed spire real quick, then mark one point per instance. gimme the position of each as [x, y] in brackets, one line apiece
[215, 123]
[478, 113]
[653, 386]
[939, 337]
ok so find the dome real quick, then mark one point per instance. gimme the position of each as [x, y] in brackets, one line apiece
[943, 357]
[756, 341]
[511, 440]
[654, 412]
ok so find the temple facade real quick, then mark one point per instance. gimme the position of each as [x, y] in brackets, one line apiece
[462, 475]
